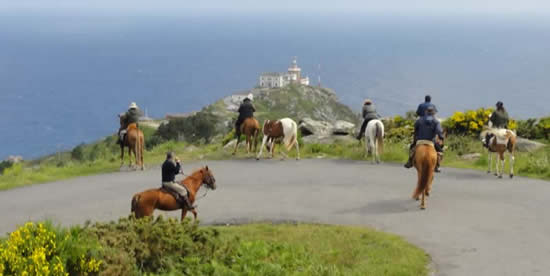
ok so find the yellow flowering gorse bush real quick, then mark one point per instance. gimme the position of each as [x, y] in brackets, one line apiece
[32, 250]
[471, 122]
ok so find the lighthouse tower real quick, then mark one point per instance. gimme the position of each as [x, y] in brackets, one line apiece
[295, 72]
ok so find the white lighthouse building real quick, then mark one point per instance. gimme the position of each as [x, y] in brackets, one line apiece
[274, 80]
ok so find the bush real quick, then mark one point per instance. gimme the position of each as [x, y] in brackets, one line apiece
[155, 246]
[36, 249]
[5, 165]
[471, 122]
[191, 129]
[78, 153]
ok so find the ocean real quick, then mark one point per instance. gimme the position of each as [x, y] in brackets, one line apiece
[64, 78]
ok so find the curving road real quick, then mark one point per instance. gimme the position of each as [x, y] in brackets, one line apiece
[475, 224]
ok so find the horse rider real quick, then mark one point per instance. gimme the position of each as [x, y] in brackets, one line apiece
[369, 113]
[130, 117]
[421, 110]
[246, 110]
[498, 119]
[170, 168]
[427, 128]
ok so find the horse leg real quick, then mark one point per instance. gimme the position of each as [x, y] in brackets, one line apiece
[489, 161]
[502, 163]
[129, 157]
[141, 146]
[264, 140]
[248, 145]
[237, 144]
[512, 160]
[194, 211]
[297, 149]
[183, 213]
[423, 201]
[121, 155]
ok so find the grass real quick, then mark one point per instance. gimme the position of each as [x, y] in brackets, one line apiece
[341, 250]
[103, 157]
[159, 246]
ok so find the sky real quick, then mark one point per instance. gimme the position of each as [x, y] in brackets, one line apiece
[251, 6]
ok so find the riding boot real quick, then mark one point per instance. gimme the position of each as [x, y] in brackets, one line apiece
[438, 164]
[186, 202]
[409, 163]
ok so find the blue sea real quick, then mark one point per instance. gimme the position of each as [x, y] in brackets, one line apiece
[64, 78]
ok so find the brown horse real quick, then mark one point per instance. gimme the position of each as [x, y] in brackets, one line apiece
[425, 160]
[502, 140]
[144, 203]
[250, 128]
[135, 142]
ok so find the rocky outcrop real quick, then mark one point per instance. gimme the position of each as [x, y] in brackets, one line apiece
[314, 131]
[526, 145]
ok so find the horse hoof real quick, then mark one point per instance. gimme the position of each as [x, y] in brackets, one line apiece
[511, 176]
[488, 172]
[422, 207]
[500, 176]
[257, 159]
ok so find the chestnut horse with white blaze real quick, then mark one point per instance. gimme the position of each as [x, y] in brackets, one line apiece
[374, 139]
[144, 203]
[284, 129]
[250, 128]
[135, 142]
[425, 160]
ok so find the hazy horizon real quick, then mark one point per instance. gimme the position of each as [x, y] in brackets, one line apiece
[315, 7]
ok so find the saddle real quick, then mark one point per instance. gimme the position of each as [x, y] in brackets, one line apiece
[175, 194]
[131, 126]
[502, 136]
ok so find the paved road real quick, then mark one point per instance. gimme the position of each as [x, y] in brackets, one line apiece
[475, 224]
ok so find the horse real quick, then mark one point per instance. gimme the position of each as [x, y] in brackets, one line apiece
[374, 139]
[144, 203]
[502, 140]
[425, 160]
[285, 129]
[135, 142]
[250, 128]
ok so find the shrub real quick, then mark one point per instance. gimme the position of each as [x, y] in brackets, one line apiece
[155, 246]
[202, 125]
[78, 153]
[36, 249]
[5, 165]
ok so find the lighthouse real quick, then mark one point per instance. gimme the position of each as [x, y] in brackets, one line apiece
[275, 80]
[294, 72]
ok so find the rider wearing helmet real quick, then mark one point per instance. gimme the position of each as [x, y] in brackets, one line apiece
[246, 110]
[130, 117]
[369, 113]
[428, 128]
[170, 168]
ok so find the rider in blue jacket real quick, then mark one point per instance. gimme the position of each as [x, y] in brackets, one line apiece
[427, 128]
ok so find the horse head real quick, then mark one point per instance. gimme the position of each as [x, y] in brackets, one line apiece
[208, 178]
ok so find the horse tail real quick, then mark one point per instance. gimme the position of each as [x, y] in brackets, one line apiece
[293, 139]
[380, 137]
[426, 173]
[135, 201]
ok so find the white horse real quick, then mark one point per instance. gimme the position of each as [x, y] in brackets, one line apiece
[374, 139]
[285, 129]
